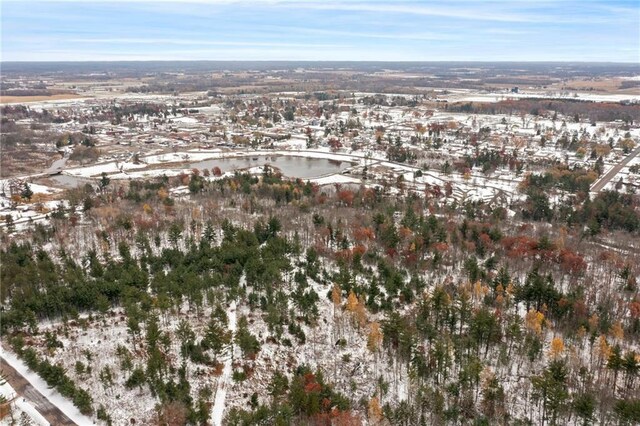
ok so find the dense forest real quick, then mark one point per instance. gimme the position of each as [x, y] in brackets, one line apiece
[391, 308]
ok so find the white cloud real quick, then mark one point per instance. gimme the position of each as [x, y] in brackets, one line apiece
[375, 35]
[514, 12]
[199, 42]
[235, 54]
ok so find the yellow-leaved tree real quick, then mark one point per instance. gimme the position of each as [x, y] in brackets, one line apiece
[557, 347]
[593, 322]
[336, 295]
[352, 302]
[357, 309]
[336, 298]
[374, 339]
[534, 320]
[375, 411]
[616, 331]
[604, 350]
[163, 193]
[361, 313]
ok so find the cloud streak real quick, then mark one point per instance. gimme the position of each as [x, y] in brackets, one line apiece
[178, 42]
[477, 11]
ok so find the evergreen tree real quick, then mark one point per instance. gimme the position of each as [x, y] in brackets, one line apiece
[551, 388]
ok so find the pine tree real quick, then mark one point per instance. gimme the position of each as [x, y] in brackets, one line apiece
[217, 338]
[584, 406]
[208, 235]
[615, 362]
[631, 367]
[247, 342]
[186, 336]
[104, 182]
[551, 388]
[26, 193]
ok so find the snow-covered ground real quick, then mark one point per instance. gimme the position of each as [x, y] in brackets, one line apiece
[332, 179]
[501, 96]
[224, 382]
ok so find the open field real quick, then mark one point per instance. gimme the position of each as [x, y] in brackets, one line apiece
[28, 99]
[599, 85]
[17, 162]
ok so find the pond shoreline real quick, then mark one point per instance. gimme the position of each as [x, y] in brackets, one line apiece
[291, 166]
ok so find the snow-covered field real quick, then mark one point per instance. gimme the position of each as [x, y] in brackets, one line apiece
[583, 96]
[333, 179]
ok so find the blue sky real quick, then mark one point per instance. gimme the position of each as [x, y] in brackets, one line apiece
[517, 30]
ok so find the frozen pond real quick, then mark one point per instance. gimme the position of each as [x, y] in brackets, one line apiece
[295, 167]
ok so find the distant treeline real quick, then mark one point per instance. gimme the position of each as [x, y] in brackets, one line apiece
[107, 69]
[26, 92]
[594, 111]
[629, 84]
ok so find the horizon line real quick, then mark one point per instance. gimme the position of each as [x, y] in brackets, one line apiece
[327, 61]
